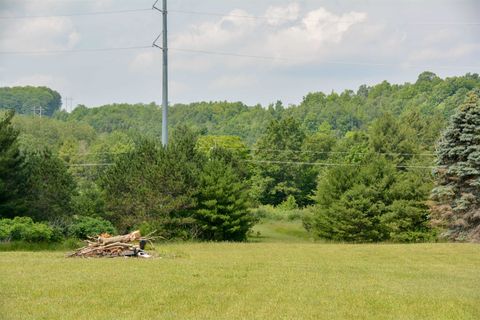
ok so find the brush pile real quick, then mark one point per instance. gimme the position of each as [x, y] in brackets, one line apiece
[129, 245]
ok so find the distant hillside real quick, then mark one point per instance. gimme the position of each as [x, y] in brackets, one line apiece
[24, 99]
[430, 96]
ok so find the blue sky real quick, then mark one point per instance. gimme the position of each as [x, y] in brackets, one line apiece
[308, 45]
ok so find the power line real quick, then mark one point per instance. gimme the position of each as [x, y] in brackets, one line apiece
[74, 14]
[232, 54]
[40, 52]
[286, 150]
[350, 63]
[90, 164]
[324, 164]
[225, 15]
[253, 17]
[333, 152]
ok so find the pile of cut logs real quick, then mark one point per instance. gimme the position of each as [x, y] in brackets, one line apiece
[129, 245]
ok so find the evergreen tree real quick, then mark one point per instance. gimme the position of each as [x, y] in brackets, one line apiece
[153, 184]
[457, 205]
[10, 166]
[48, 187]
[222, 212]
[371, 201]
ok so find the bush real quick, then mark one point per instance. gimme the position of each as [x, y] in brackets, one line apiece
[269, 212]
[84, 227]
[24, 229]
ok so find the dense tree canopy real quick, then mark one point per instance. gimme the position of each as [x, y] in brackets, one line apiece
[24, 99]
[360, 161]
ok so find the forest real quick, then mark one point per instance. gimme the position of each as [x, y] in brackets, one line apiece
[389, 162]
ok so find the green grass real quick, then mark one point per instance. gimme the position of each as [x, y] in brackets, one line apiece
[248, 281]
[68, 244]
[279, 231]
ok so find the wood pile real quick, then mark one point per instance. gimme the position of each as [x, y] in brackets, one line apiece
[119, 246]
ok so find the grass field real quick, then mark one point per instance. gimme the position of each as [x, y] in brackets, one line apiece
[248, 281]
[280, 231]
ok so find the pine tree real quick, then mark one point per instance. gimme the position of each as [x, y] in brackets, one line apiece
[222, 212]
[457, 205]
[10, 167]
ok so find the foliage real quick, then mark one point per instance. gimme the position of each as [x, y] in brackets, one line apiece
[48, 187]
[457, 192]
[84, 227]
[24, 99]
[275, 176]
[10, 165]
[374, 195]
[222, 211]
[159, 187]
[89, 199]
[152, 183]
[24, 229]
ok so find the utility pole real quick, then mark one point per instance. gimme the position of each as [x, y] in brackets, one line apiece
[164, 48]
[165, 78]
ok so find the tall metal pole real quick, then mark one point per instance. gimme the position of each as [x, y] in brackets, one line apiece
[165, 78]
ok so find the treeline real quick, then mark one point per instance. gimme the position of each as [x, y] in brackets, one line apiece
[28, 100]
[359, 163]
[433, 98]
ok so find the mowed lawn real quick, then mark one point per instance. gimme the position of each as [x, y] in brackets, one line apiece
[248, 281]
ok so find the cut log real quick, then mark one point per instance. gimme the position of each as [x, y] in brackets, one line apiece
[135, 235]
[107, 246]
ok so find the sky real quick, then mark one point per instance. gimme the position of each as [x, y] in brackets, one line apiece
[237, 50]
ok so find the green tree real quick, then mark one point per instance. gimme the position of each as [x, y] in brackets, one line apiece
[11, 163]
[369, 202]
[48, 187]
[458, 176]
[153, 184]
[222, 212]
[276, 175]
[24, 99]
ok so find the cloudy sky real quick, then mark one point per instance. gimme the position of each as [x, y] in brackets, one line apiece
[281, 49]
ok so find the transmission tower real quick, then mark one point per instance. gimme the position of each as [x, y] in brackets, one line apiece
[37, 111]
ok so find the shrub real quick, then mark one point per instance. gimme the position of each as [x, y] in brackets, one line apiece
[24, 229]
[288, 204]
[84, 227]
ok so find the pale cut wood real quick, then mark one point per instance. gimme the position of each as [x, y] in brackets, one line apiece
[135, 235]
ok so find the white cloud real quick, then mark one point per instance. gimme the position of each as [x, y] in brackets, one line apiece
[143, 61]
[55, 33]
[277, 15]
[54, 82]
[226, 31]
[453, 53]
[302, 38]
[234, 82]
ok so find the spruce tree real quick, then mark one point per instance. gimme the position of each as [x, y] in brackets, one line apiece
[457, 194]
[222, 213]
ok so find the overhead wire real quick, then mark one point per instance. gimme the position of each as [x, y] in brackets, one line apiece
[254, 17]
[231, 15]
[326, 164]
[289, 150]
[95, 13]
[231, 54]
[41, 52]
